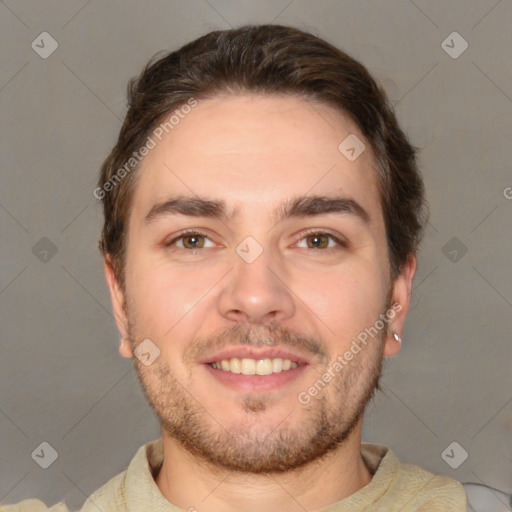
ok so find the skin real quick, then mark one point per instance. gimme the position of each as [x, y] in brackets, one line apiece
[227, 449]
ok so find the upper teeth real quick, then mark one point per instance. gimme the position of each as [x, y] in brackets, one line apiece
[254, 366]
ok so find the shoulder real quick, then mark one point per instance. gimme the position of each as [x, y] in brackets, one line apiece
[33, 506]
[429, 492]
[109, 498]
[410, 488]
[136, 480]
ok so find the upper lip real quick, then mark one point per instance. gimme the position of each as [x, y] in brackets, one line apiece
[254, 353]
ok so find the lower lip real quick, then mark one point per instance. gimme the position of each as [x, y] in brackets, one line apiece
[255, 383]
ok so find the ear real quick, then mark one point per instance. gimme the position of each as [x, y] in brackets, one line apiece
[118, 298]
[400, 300]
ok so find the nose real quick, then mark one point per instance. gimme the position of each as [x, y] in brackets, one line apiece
[256, 292]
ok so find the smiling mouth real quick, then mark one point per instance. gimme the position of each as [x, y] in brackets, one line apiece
[247, 366]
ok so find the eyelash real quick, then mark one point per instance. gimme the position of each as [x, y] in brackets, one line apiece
[341, 243]
[311, 232]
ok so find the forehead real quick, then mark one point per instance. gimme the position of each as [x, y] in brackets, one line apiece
[253, 151]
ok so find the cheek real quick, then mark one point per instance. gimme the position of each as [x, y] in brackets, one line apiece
[344, 301]
[163, 299]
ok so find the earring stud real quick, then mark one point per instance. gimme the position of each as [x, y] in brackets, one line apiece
[397, 338]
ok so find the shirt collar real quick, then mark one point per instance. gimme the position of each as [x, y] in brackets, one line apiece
[141, 492]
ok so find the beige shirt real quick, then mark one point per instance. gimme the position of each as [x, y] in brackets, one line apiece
[394, 487]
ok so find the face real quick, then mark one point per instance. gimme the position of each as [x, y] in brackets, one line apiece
[255, 245]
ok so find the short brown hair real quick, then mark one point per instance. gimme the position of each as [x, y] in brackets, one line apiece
[266, 59]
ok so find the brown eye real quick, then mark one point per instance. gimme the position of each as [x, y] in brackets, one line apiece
[195, 241]
[190, 240]
[318, 241]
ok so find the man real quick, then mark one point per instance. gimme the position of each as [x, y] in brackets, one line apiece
[263, 211]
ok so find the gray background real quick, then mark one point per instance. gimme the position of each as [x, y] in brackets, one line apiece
[62, 379]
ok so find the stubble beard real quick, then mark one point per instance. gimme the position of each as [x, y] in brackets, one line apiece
[307, 433]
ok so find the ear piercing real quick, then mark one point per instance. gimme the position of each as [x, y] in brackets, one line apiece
[397, 338]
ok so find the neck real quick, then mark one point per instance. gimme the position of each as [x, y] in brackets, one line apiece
[191, 484]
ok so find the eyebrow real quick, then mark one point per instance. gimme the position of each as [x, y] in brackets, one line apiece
[301, 206]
